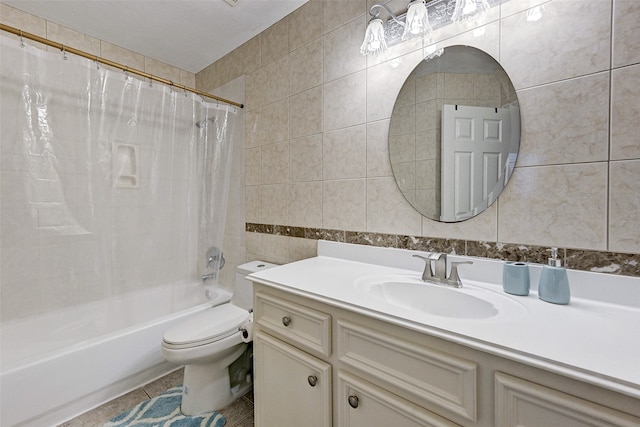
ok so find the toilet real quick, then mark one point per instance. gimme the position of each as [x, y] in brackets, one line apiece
[209, 342]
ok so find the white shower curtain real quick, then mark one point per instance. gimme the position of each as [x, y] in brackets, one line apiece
[110, 185]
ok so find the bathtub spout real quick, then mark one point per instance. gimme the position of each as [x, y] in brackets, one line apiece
[206, 277]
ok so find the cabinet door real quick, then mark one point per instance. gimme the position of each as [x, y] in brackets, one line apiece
[520, 403]
[292, 387]
[422, 374]
[362, 404]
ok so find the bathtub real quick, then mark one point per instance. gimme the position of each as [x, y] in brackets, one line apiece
[56, 375]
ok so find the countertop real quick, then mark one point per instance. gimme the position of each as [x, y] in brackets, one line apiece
[592, 341]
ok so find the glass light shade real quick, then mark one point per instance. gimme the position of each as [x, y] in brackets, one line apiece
[374, 39]
[469, 9]
[417, 21]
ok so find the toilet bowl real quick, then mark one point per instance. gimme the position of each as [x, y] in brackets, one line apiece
[208, 342]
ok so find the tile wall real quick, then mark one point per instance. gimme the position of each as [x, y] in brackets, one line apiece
[52, 31]
[317, 119]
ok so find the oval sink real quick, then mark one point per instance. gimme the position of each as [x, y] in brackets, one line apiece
[468, 302]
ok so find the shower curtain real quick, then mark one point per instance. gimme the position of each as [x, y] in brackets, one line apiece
[110, 185]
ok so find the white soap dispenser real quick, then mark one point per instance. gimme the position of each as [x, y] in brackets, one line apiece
[554, 283]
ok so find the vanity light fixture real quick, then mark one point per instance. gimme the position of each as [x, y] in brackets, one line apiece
[375, 38]
[469, 9]
[413, 24]
[417, 21]
[421, 17]
[375, 41]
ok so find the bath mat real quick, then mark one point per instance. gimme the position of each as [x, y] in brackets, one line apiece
[164, 410]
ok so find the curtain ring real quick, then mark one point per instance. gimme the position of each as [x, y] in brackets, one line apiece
[97, 63]
[64, 53]
[21, 39]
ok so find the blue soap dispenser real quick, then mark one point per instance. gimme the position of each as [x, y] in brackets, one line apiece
[554, 284]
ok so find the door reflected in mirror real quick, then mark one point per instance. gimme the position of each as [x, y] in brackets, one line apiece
[454, 134]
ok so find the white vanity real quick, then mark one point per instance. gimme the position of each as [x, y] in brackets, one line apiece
[352, 338]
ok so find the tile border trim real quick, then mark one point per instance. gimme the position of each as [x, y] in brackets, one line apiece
[624, 264]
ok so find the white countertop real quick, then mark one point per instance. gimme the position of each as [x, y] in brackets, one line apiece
[589, 340]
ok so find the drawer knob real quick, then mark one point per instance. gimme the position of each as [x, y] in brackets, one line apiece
[353, 401]
[313, 380]
[286, 321]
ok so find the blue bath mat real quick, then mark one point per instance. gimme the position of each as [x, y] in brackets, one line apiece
[164, 410]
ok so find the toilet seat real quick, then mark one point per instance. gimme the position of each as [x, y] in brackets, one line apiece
[204, 328]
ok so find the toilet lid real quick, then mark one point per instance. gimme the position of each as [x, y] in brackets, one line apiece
[210, 325]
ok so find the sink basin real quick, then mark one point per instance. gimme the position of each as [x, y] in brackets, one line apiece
[468, 302]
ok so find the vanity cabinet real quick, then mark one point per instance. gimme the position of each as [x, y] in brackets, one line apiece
[292, 387]
[526, 404]
[368, 371]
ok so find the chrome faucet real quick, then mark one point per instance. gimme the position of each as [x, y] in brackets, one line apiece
[206, 277]
[213, 254]
[435, 270]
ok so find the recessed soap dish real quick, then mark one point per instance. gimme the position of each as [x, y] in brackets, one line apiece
[125, 161]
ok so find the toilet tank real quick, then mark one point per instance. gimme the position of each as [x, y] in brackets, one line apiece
[243, 288]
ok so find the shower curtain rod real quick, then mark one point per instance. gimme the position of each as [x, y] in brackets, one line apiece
[63, 48]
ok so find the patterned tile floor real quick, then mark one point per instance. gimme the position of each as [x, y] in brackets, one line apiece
[238, 413]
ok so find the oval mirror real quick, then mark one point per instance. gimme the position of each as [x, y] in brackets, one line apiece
[454, 134]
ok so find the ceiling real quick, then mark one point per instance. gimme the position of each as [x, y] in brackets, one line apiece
[188, 34]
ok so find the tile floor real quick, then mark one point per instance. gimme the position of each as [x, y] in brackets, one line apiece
[238, 413]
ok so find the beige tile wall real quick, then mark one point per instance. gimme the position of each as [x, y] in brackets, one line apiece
[318, 114]
[52, 31]
[308, 90]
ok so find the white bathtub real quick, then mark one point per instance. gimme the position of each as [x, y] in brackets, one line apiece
[60, 373]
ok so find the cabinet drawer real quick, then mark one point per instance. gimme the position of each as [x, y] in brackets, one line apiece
[301, 326]
[423, 375]
[362, 404]
[523, 403]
